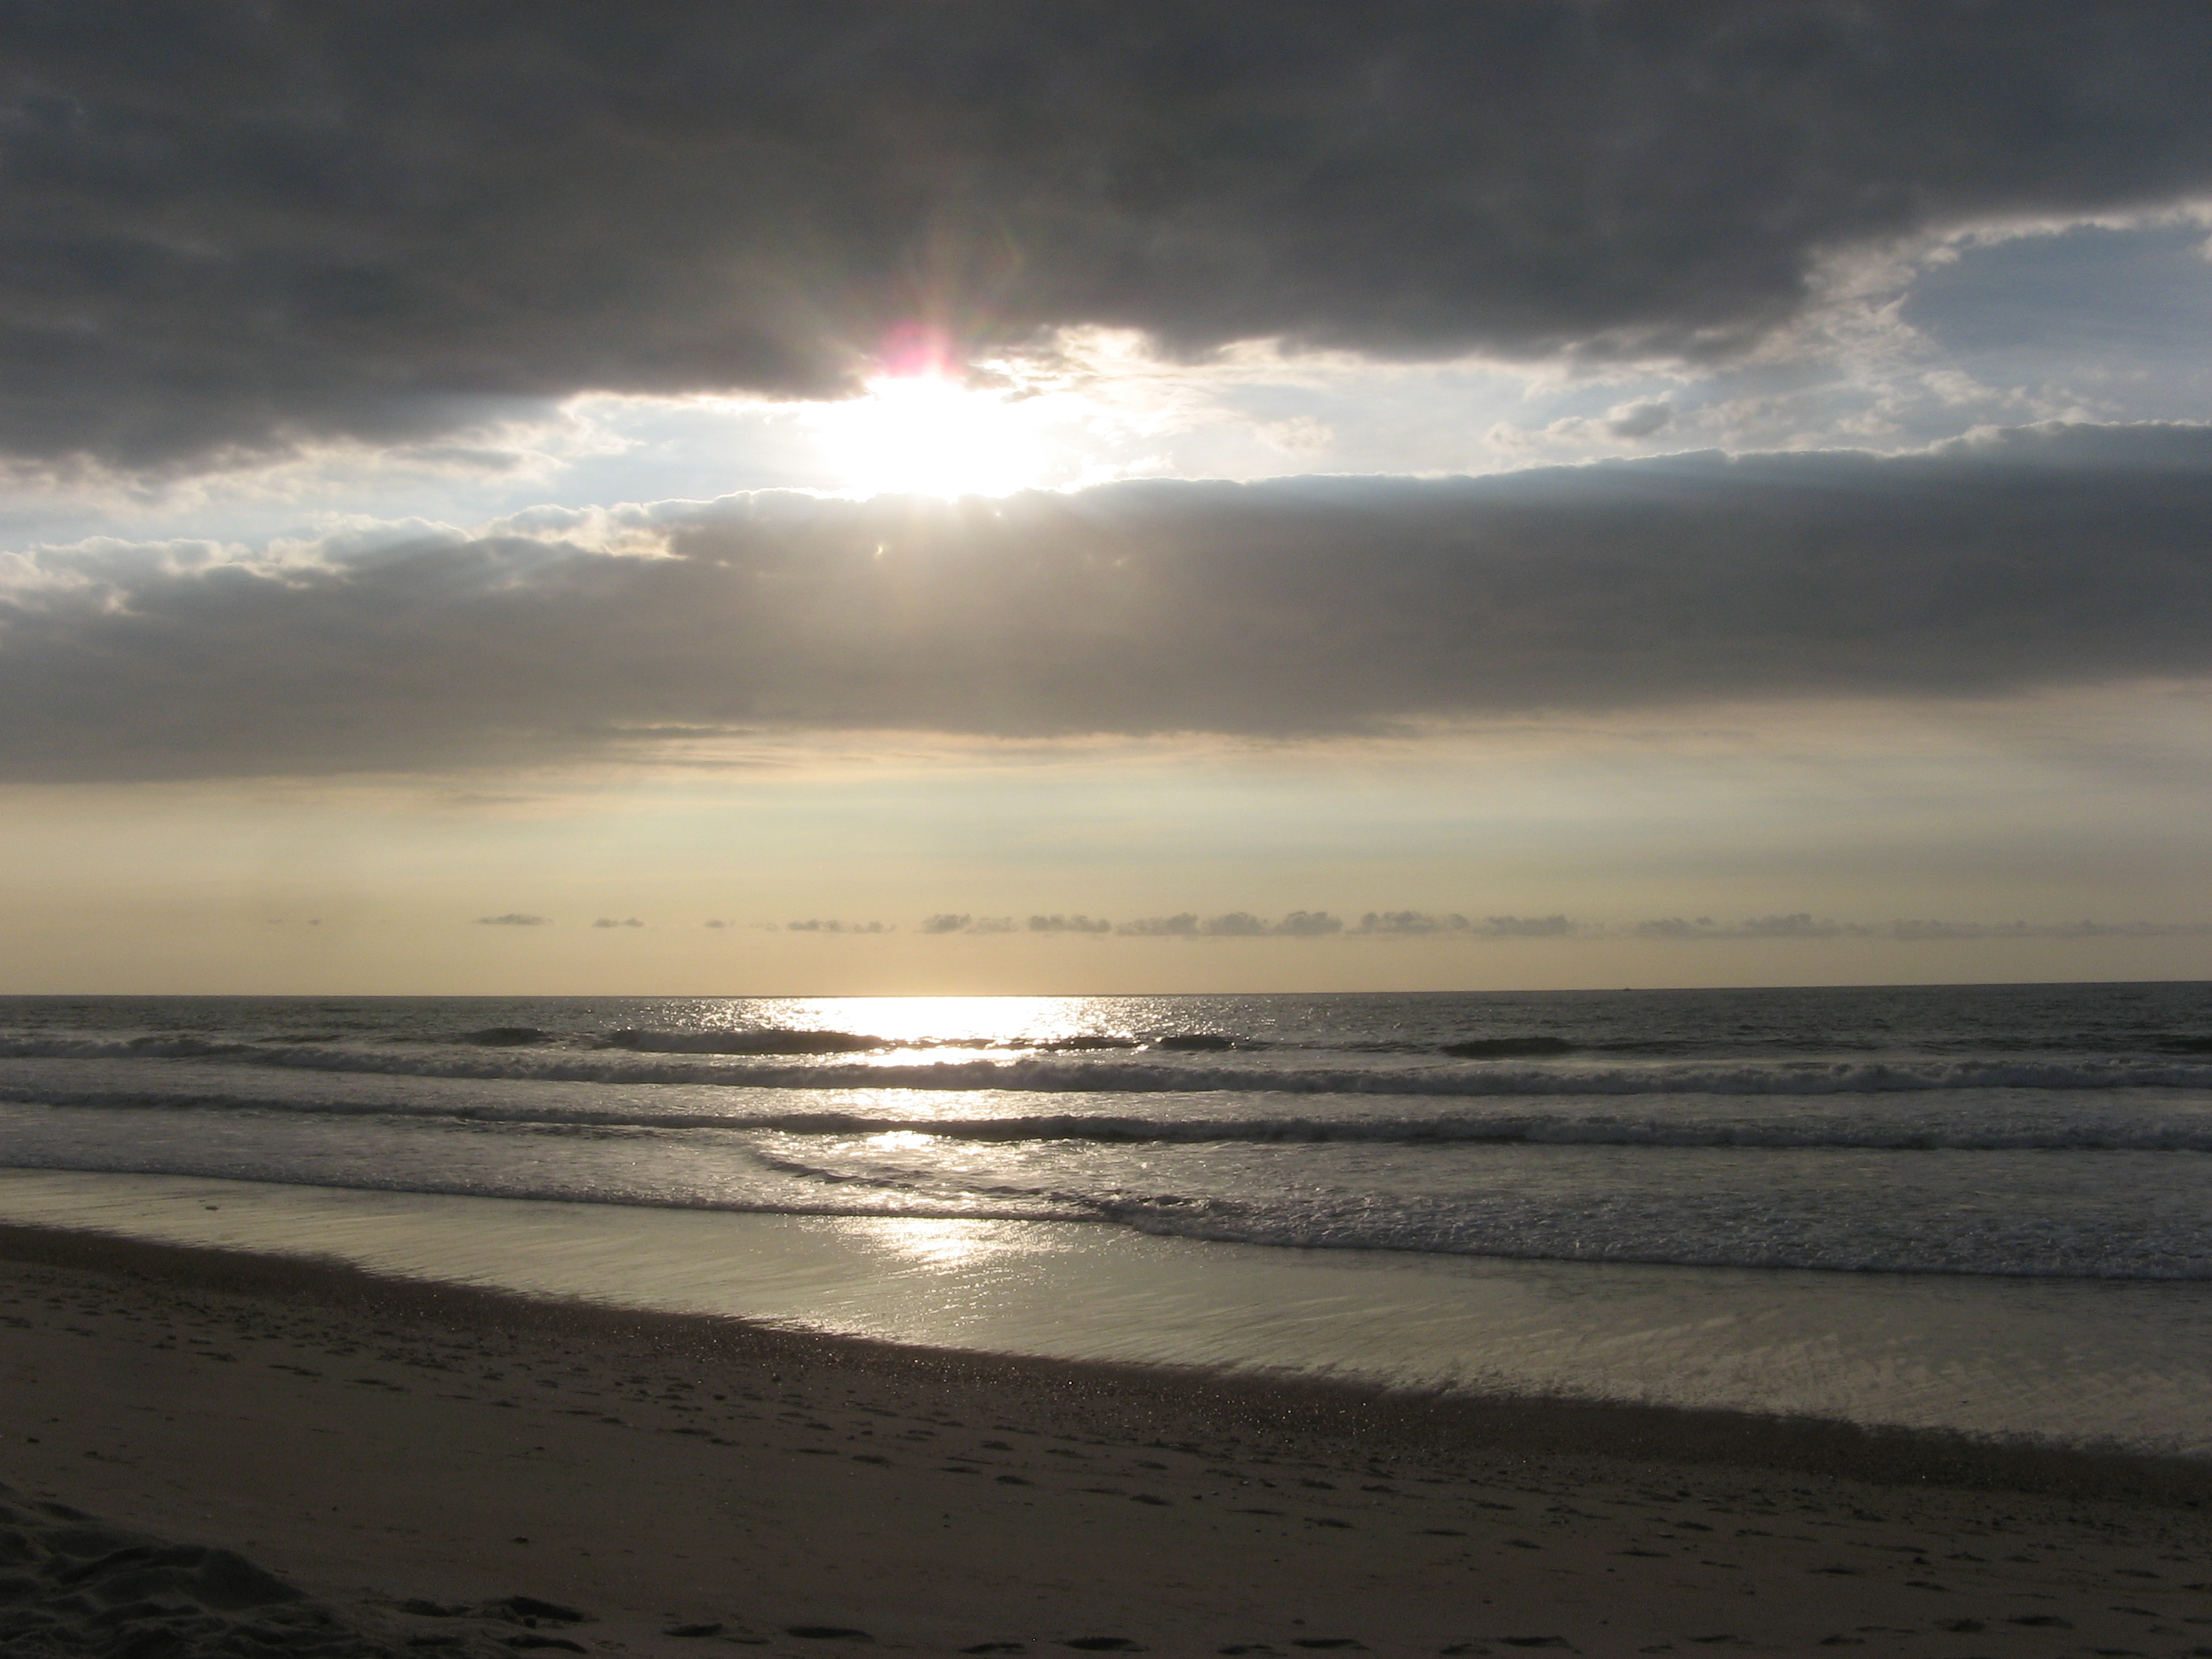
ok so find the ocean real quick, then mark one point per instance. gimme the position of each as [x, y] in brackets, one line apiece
[1986, 1208]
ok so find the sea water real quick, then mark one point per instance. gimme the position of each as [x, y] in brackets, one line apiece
[1980, 1207]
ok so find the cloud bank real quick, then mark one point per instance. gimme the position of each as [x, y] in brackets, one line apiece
[234, 226]
[2033, 557]
[1425, 925]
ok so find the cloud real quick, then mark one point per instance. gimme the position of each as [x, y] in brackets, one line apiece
[1798, 925]
[1237, 924]
[235, 228]
[1420, 924]
[1409, 923]
[948, 922]
[2011, 559]
[513, 919]
[1915, 931]
[1637, 420]
[610, 921]
[1801, 925]
[817, 925]
[1234, 924]
[1527, 926]
[1183, 925]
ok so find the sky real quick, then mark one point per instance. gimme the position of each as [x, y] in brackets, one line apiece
[960, 496]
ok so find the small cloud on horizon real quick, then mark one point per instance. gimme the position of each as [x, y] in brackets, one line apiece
[1234, 924]
[1417, 923]
[1802, 924]
[1425, 924]
[960, 922]
[1798, 925]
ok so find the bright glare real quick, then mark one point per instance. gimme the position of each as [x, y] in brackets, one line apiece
[949, 1019]
[938, 1244]
[928, 435]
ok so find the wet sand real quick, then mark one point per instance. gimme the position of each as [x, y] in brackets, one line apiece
[381, 1444]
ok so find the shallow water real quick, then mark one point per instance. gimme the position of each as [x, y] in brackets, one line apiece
[2061, 1361]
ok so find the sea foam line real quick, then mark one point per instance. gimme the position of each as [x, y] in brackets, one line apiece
[1529, 1234]
[1590, 1129]
[1067, 1074]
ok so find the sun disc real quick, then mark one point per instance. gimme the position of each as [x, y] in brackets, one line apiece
[931, 434]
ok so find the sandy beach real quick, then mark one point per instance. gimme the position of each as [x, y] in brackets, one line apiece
[415, 1457]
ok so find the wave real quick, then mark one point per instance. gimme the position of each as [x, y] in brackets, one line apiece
[1527, 1238]
[1077, 1073]
[1503, 1132]
[1684, 1234]
[1746, 1228]
[768, 1041]
[1802, 1132]
[1508, 1047]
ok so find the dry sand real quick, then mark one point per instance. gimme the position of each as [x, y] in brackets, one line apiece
[414, 1457]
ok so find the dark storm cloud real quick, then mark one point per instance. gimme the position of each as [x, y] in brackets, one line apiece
[2036, 557]
[238, 222]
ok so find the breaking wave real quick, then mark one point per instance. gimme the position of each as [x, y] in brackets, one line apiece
[2186, 1131]
[518, 1057]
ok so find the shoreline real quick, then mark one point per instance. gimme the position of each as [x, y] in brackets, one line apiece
[1426, 1425]
[2078, 1364]
[378, 1440]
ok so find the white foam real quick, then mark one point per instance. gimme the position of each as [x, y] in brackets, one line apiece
[1076, 1074]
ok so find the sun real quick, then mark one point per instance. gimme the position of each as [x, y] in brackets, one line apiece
[930, 434]
[934, 421]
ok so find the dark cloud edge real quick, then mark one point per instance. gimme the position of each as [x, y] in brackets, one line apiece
[239, 226]
[1319, 607]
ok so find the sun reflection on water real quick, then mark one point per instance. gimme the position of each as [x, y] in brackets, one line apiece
[900, 1140]
[958, 1022]
[941, 1244]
